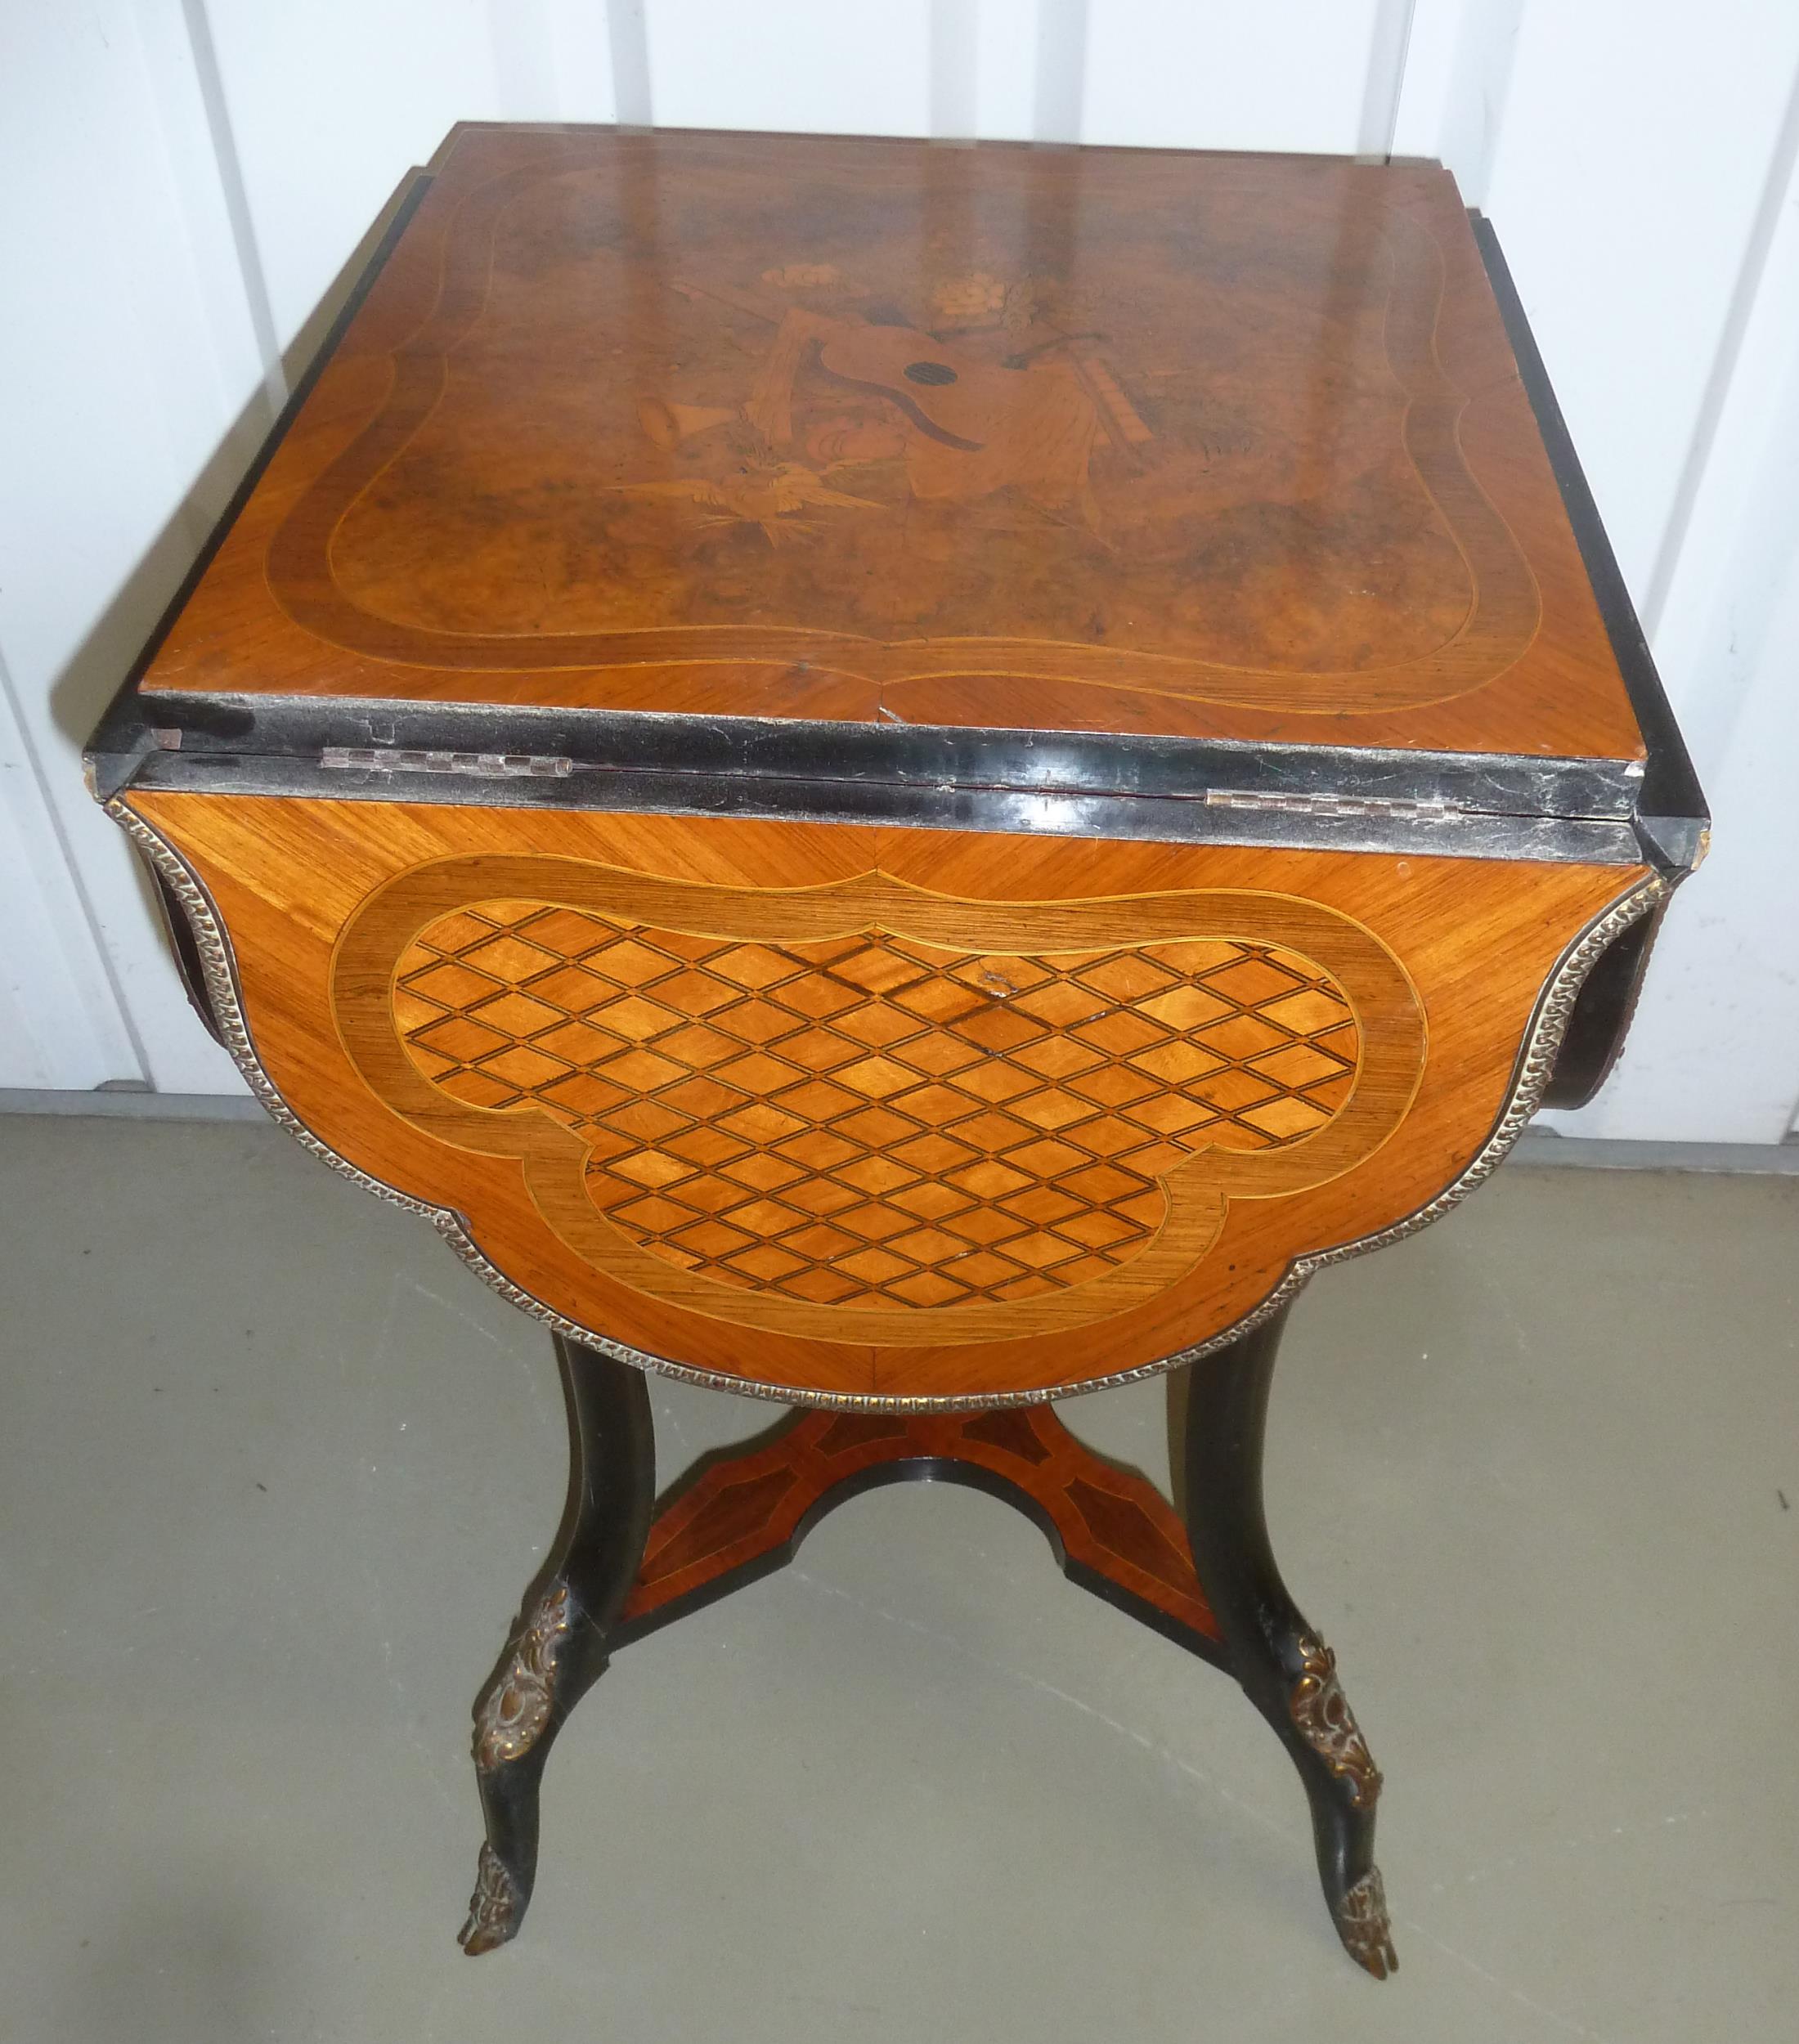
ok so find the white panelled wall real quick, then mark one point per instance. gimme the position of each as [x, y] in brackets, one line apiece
[187, 187]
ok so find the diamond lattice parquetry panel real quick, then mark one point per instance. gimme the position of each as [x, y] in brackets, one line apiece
[870, 1119]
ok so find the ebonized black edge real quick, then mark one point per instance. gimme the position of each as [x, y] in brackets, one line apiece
[1670, 789]
[1602, 1015]
[1673, 817]
[227, 726]
[192, 740]
[825, 797]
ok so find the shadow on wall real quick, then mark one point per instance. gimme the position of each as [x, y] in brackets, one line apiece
[116, 646]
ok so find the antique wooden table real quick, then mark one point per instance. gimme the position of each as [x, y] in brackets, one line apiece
[912, 780]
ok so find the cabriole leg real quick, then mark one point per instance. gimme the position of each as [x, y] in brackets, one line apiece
[558, 1648]
[1285, 1669]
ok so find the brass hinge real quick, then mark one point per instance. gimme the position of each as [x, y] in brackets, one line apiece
[399, 759]
[1423, 808]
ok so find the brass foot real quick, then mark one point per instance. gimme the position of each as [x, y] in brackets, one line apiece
[1362, 1926]
[494, 1908]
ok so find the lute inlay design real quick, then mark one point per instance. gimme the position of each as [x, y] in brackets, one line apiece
[870, 1119]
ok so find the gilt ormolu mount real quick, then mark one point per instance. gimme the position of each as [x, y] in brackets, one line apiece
[912, 780]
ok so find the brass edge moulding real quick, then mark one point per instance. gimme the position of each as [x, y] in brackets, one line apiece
[1542, 1039]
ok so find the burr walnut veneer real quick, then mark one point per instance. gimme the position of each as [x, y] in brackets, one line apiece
[912, 780]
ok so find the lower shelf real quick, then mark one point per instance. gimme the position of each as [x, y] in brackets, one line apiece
[742, 1515]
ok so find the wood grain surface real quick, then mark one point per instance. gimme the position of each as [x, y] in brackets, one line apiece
[889, 1113]
[1107, 440]
[745, 1514]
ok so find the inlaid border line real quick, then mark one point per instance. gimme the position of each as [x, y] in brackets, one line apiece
[1536, 1059]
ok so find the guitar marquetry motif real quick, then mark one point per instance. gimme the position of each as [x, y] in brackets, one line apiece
[740, 425]
[868, 1120]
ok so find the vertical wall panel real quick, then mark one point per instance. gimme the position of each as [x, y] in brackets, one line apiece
[332, 103]
[1290, 75]
[1637, 163]
[60, 1024]
[581, 60]
[814, 66]
[1458, 74]
[1715, 1053]
[127, 380]
[1005, 68]
[1626, 176]
[952, 66]
[1738, 536]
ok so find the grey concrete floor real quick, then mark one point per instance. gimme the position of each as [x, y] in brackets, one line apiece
[275, 1468]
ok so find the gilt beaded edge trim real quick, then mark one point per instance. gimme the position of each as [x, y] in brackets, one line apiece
[1542, 1040]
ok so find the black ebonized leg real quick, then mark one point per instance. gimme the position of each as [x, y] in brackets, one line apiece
[559, 1647]
[1285, 1669]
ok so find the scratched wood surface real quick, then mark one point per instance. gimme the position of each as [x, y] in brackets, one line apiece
[879, 1112]
[802, 427]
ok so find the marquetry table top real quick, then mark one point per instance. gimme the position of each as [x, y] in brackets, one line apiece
[879, 432]
[885, 773]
